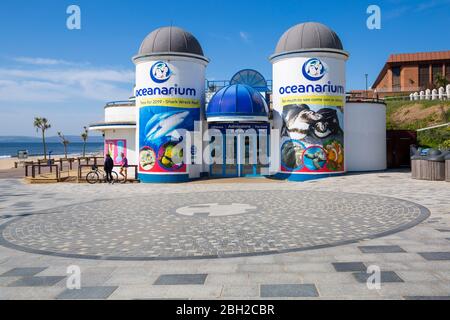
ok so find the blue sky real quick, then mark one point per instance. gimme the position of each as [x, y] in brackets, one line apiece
[67, 75]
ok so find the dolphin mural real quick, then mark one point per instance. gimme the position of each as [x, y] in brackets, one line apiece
[163, 124]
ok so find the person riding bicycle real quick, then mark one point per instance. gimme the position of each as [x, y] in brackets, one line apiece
[108, 167]
[124, 167]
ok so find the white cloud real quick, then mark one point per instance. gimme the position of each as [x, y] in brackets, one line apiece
[56, 82]
[41, 61]
[245, 36]
[405, 8]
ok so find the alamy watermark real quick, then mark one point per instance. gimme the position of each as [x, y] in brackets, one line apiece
[374, 19]
[74, 277]
[231, 146]
[73, 21]
[374, 280]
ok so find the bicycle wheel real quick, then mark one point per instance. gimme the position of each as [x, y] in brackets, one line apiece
[115, 177]
[92, 177]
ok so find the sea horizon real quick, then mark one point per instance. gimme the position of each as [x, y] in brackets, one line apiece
[10, 149]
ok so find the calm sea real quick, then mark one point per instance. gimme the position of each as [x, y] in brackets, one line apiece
[10, 149]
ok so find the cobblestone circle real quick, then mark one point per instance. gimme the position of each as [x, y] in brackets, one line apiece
[149, 228]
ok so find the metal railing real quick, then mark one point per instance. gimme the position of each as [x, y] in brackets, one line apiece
[216, 85]
[40, 166]
[351, 98]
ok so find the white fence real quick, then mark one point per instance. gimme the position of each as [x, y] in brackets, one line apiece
[435, 94]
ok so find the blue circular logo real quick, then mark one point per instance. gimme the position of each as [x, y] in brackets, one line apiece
[314, 69]
[160, 72]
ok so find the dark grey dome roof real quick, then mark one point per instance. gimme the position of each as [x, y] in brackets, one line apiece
[170, 40]
[309, 35]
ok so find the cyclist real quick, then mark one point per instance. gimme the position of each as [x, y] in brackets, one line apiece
[124, 167]
[108, 166]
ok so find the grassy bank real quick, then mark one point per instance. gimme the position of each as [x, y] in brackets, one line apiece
[413, 115]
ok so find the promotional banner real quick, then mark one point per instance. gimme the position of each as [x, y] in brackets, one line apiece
[309, 98]
[115, 148]
[169, 96]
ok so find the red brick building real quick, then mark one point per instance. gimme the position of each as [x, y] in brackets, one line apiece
[411, 72]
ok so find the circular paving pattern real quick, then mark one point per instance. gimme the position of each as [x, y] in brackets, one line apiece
[195, 225]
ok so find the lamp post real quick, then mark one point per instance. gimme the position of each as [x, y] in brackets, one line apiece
[367, 85]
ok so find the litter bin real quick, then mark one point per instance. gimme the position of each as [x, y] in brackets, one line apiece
[447, 167]
[435, 167]
[418, 162]
[415, 166]
[429, 165]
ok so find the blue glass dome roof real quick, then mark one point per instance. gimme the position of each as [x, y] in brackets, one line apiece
[237, 101]
[251, 78]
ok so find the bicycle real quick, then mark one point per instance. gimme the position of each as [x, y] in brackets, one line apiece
[94, 176]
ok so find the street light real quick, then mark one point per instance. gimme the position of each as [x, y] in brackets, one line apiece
[367, 85]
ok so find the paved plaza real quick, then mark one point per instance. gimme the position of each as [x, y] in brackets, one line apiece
[227, 239]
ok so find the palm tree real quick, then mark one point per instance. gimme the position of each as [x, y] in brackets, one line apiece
[43, 125]
[65, 143]
[84, 136]
[441, 81]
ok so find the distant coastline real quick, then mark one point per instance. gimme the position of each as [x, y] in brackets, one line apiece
[10, 149]
[50, 139]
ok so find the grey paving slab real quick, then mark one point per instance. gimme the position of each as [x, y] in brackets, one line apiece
[413, 288]
[43, 281]
[194, 291]
[418, 276]
[130, 279]
[181, 279]
[87, 293]
[240, 291]
[29, 293]
[22, 272]
[349, 266]
[386, 277]
[139, 291]
[288, 290]
[435, 256]
[230, 279]
[331, 278]
[347, 291]
[275, 278]
[427, 297]
[381, 249]
[4, 281]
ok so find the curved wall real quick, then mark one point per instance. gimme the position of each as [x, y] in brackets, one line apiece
[169, 94]
[120, 113]
[308, 98]
[365, 136]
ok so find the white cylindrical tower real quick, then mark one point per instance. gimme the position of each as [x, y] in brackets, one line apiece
[170, 89]
[308, 101]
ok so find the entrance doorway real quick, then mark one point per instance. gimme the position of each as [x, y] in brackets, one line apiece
[245, 161]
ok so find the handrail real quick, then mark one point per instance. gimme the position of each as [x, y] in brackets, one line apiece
[364, 99]
[39, 166]
[119, 103]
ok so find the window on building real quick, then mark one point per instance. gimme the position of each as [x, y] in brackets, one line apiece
[396, 86]
[447, 71]
[424, 76]
[437, 71]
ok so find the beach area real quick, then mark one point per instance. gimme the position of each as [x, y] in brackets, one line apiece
[8, 163]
